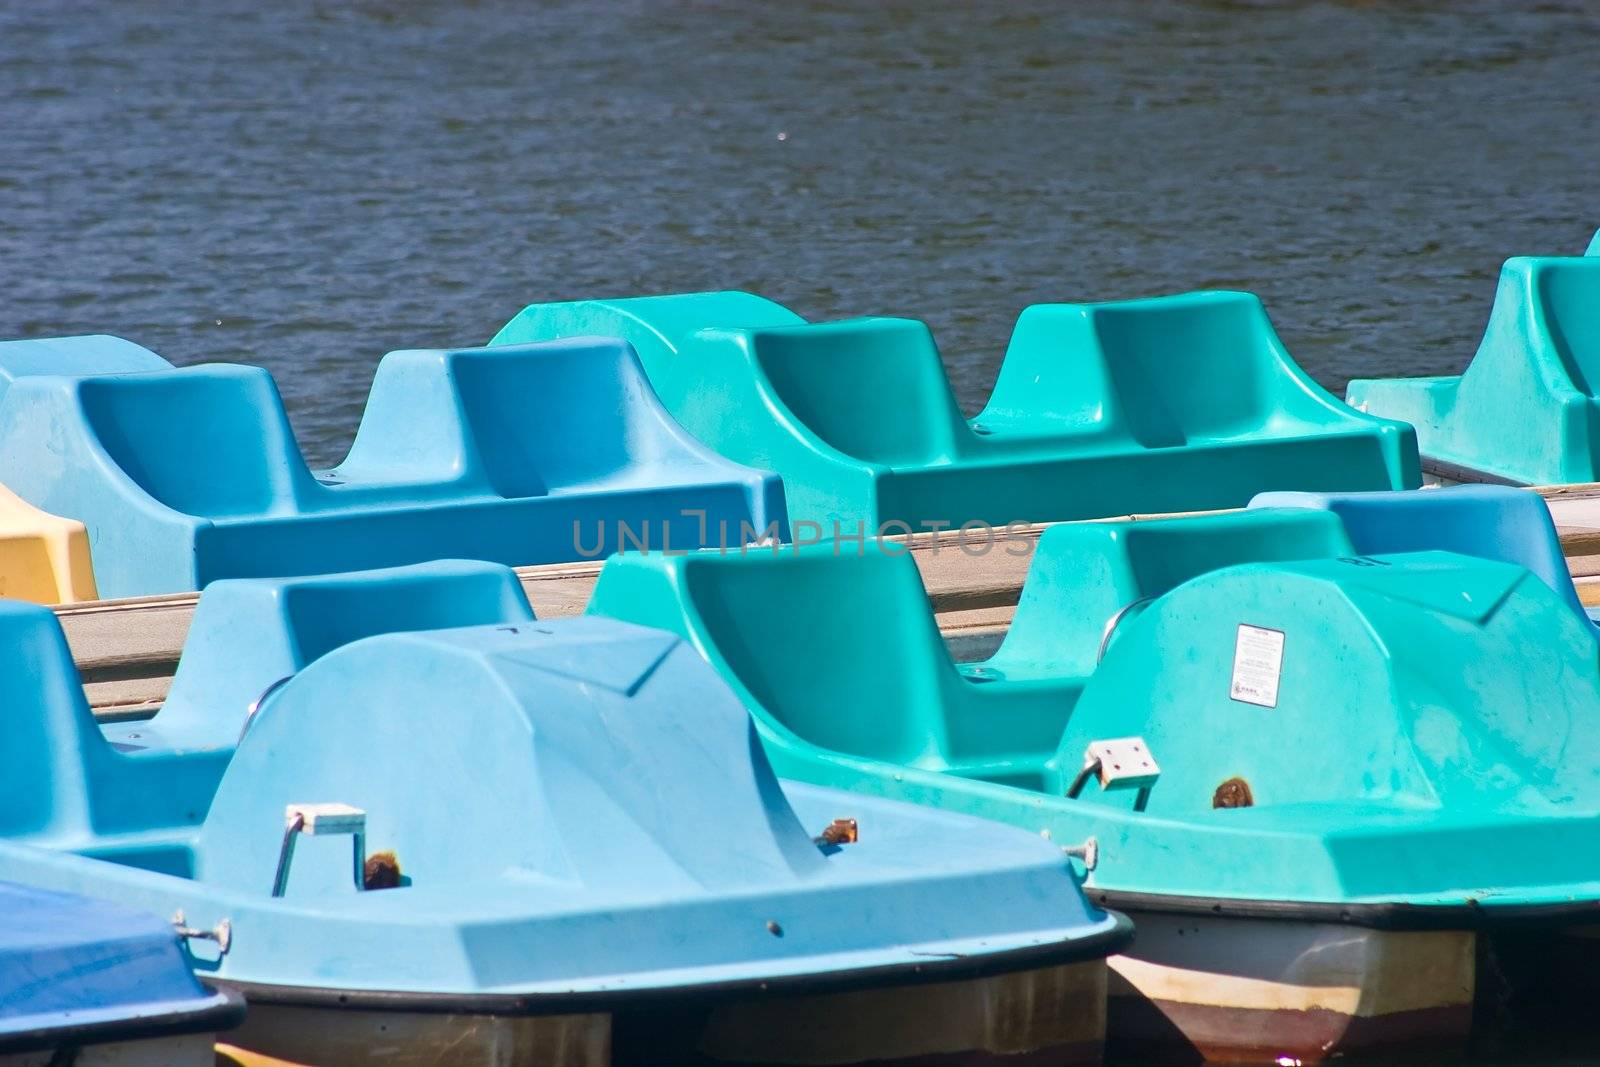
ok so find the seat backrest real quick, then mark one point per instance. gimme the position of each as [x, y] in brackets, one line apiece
[1084, 574]
[47, 734]
[248, 634]
[660, 328]
[43, 557]
[1542, 336]
[561, 414]
[522, 420]
[1493, 522]
[1192, 365]
[839, 647]
[874, 389]
[74, 356]
[209, 441]
[1164, 370]
[1568, 293]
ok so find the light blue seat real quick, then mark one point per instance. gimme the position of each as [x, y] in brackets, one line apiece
[249, 635]
[64, 778]
[1493, 522]
[530, 454]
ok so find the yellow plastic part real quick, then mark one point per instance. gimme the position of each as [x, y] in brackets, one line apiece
[234, 1056]
[43, 557]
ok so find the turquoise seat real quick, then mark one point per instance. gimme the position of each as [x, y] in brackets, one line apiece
[1397, 717]
[1089, 579]
[1169, 404]
[1493, 522]
[533, 454]
[1524, 410]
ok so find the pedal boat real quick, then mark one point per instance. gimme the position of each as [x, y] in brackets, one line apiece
[90, 982]
[546, 453]
[1168, 404]
[1327, 782]
[1523, 411]
[451, 833]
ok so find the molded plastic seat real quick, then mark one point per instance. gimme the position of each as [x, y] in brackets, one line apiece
[1088, 579]
[1524, 410]
[43, 558]
[533, 454]
[250, 635]
[1168, 404]
[66, 779]
[86, 354]
[1488, 521]
[61, 782]
[874, 680]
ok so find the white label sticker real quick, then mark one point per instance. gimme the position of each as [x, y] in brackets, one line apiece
[1257, 665]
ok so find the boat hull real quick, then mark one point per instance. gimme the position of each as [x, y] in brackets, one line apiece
[1052, 1015]
[1245, 990]
[316, 1035]
[1048, 1015]
[1440, 473]
[182, 1050]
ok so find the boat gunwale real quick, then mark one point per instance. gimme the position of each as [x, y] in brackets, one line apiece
[1469, 475]
[1084, 949]
[223, 1009]
[1469, 914]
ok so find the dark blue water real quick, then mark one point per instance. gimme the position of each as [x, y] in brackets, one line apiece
[309, 185]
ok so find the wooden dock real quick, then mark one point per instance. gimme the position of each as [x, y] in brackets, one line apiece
[127, 650]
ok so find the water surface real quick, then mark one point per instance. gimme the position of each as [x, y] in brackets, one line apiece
[309, 185]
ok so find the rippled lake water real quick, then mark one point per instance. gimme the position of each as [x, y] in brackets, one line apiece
[309, 185]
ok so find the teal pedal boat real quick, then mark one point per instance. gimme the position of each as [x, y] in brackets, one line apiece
[1313, 773]
[94, 983]
[413, 824]
[1524, 410]
[535, 454]
[1176, 403]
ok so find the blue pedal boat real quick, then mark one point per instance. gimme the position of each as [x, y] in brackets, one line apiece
[1168, 404]
[1328, 769]
[450, 830]
[85, 981]
[526, 455]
